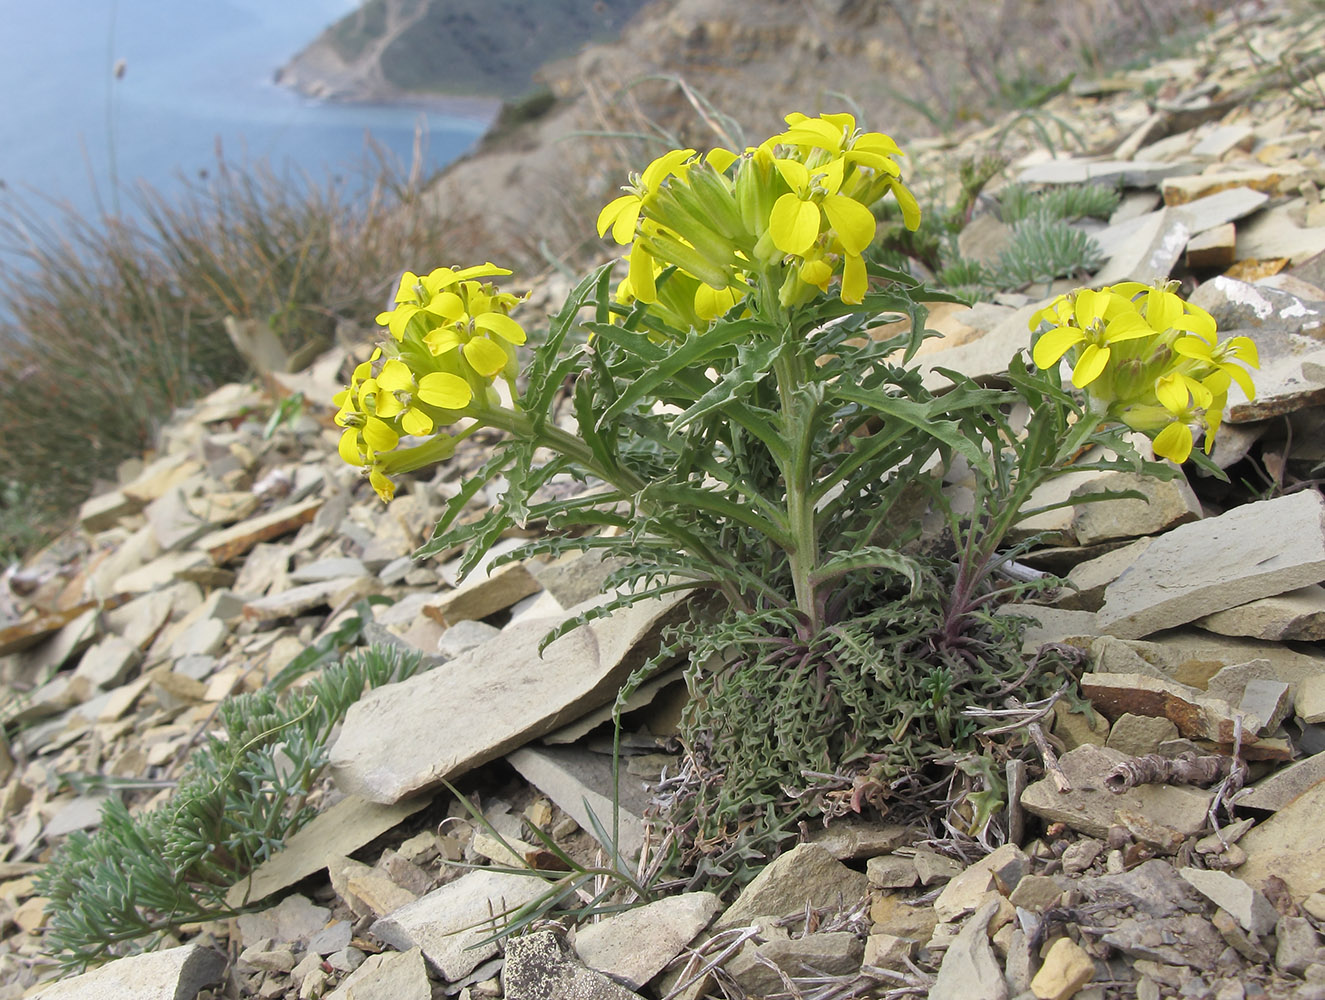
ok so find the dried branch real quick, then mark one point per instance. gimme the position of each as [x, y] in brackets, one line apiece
[1188, 768]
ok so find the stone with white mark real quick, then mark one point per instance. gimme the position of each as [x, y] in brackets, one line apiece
[540, 966]
[449, 922]
[1233, 303]
[1253, 551]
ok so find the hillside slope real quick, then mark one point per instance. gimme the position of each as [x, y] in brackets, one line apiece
[389, 49]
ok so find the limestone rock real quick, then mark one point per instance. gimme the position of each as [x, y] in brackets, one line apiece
[172, 974]
[487, 702]
[580, 782]
[891, 871]
[1181, 190]
[1311, 699]
[1215, 249]
[333, 833]
[805, 874]
[1150, 252]
[1138, 735]
[388, 976]
[969, 969]
[231, 543]
[1290, 845]
[1296, 615]
[849, 839]
[1066, 969]
[634, 946]
[1091, 809]
[1092, 576]
[1254, 551]
[539, 966]
[1251, 909]
[1195, 715]
[1167, 504]
[481, 596]
[835, 953]
[448, 922]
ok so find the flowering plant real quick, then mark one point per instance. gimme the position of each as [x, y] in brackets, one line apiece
[747, 434]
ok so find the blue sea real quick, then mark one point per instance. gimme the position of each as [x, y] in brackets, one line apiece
[196, 80]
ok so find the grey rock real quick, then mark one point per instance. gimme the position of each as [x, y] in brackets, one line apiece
[1310, 701]
[1289, 845]
[850, 839]
[80, 813]
[580, 782]
[933, 868]
[487, 702]
[388, 976]
[108, 662]
[1150, 252]
[1090, 578]
[1138, 735]
[464, 636]
[1299, 945]
[1297, 615]
[891, 871]
[1222, 207]
[332, 834]
[1128, 173]
[172, 974]
[1248, 906]
[1167, 504]
[634, 946]
[328, 569]
[835, 953]
[1089, 808]
[540, 966]
[331, 938]
[448, 922]
[1268, 700]
[294, 919]
[969, 969]
[1176, 940]
[805, 874]
[1253, 551]
[1230, 682]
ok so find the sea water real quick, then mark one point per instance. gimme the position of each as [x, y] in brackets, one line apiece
[100, 97]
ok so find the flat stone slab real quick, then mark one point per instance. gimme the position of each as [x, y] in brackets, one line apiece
[805, 874]
[231, 543]
[1090, 808]
[1282, 788]
[1253, 551]
[407, 737]
[448, 922]
[636, 945]
[172, 974]
[1297, 615]
[580, 780]
[333, 833]
[1290, 844]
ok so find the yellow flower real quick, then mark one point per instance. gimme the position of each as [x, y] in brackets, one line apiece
[440, 389]
[621, 214]
[1097, 319]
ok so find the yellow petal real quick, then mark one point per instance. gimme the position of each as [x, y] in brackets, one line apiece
[1128, 325]
[450, 392]
[1090, 365]
[852, 221]
[793, 224]
[907, 201]
[671, 162]
[395, 374]
[350, 449]
[640, 274]
[1163, 309]
[627, 206]
[406, 290]
[1172, 394]
[379, 436]
[794, 173]
[816, 271]
[1245, 349]
[441, 340]
[486, 357]
[388, 405]
[855, 281]
[1054, 344]
[1174, 442]
[382, 485]
[502, 325]
[416, 422]
[447, 305]
[720, 159]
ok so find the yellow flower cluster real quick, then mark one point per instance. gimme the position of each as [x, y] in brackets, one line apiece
[795, 210]
[1148, 359]
[452, 336]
